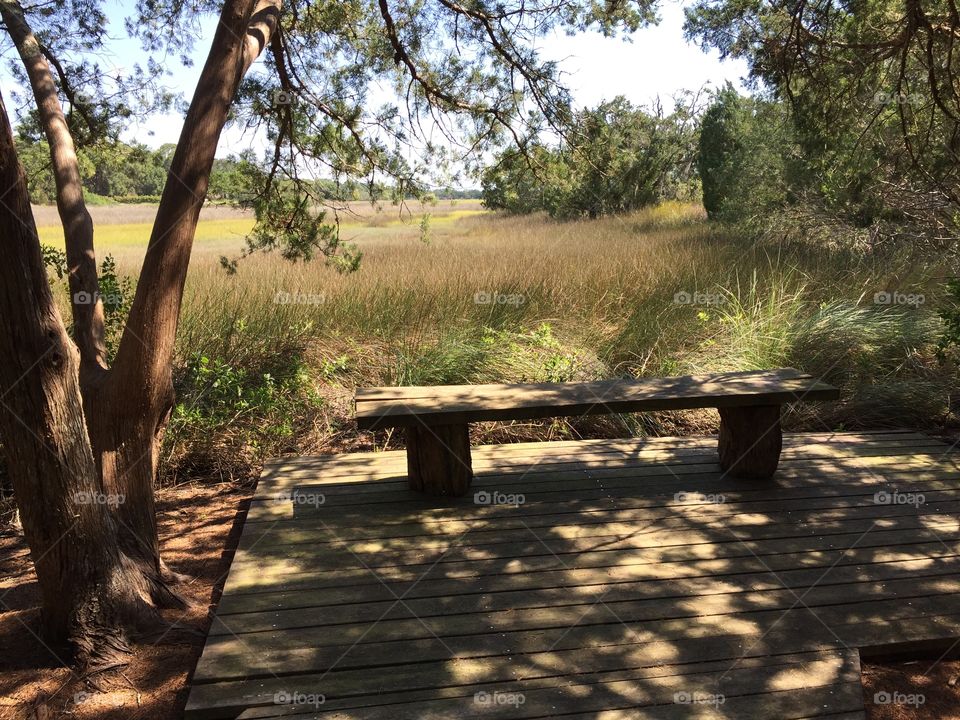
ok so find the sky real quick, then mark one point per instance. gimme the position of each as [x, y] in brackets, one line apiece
[655, 62]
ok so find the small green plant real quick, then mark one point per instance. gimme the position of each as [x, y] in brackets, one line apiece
[231, 417]
[330, 369]
[116, 293]
[425, 235]
[55, 259]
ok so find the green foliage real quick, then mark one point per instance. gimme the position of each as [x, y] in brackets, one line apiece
[113, 171]
[880, 356]
[425, 235]
[874, 102]
[617, 158]
[116, 169]
[226, 416]
[486, 354]
[35, 157]
[55, 259]
[116, 293]
[742, 156]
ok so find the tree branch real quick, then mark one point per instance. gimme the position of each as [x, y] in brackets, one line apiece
[143, 364]
[88, 316]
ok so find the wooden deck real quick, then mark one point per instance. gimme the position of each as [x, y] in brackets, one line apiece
[627, 579]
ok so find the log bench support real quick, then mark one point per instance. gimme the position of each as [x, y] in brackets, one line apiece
[750, 441]
[438, 459]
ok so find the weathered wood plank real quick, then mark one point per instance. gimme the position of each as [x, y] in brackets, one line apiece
[636, 446]
[668, 530]
[645, 671]
[784, 559]
[569, 650]
[412, 392]
[473, 403]
[550, 457]
[912, 578]
[601, 596]
[392, 484]
[731, 549]
[653, 693]
[694, 506]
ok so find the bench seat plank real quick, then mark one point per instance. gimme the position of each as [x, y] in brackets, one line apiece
[378, 408]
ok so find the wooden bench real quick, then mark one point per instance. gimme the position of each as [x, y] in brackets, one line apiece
[437, 418]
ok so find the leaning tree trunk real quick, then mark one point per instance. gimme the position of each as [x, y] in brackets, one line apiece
[129, 407]
[82, 439]
[91, 594]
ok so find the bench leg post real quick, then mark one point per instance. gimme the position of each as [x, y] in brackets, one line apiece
[438, 459]
[750, 441]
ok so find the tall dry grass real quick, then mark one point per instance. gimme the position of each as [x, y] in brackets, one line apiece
[268, 357]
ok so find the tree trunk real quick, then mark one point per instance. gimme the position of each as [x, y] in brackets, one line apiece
[91, 595]
[82, 439]
[87, 307]
[128, 409]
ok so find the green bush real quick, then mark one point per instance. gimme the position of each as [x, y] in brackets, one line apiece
[616, 158]
[742, 156]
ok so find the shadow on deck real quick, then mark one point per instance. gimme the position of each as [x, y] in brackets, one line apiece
[598, 578]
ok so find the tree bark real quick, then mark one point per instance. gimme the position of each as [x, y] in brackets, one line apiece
[88, 316]
[129, 409]
[104, 426]
[91, 595]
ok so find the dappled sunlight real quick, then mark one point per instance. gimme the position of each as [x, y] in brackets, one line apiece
[631, 574]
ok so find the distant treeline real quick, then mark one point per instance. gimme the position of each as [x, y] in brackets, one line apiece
[132, 172]
[781, 168]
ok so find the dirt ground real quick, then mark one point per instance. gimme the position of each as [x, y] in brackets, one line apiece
[199, 525]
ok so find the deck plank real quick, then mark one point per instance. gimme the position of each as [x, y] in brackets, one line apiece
[603, 595]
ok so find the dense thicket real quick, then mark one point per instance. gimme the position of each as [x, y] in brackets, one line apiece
[613, 158]
[874, 105]
[744, 153]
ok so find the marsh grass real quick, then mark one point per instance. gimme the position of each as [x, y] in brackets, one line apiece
[268, 358]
